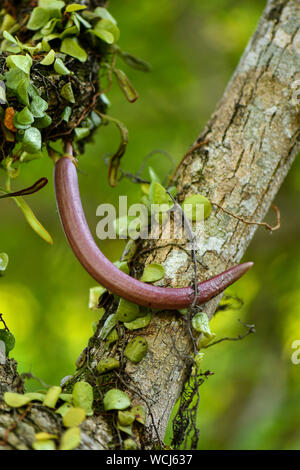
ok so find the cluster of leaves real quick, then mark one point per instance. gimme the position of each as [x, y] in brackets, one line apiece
[56, 39]
[158, 202]
[72, 407]
[50, 21]
[132, 316]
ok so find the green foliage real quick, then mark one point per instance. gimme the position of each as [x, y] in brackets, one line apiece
[83, 397]
[73, 417]
[127, 311]
[58, 32]
[153, 272]
[116, 399]
[136, 349]
[138, 323]
[70, 439]
[108, 364]
[197, 207]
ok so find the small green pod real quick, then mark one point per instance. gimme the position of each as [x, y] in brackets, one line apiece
[136, 349]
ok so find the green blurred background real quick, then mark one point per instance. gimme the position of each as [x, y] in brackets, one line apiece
[252, 400]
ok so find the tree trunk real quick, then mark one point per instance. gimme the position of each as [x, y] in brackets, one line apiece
[250, 143]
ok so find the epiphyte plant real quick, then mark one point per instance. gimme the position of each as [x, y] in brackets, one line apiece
[58, 52]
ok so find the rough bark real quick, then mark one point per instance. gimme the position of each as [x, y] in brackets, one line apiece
[252, 139]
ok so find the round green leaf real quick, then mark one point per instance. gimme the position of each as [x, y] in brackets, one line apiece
[66, 114]
[74, 417]
[53, 6]
[102, 12]
[123, 266]
[83, 397]
[105, 27]
[81, 133]
[194, 205]
[116, 399]
[22, 62]
[111, 338]
[153, 272]
[42, 123]
[63, 409]
[38, 106]
[52, 396]
[23, 118]
[32, 140]
[125, 418]
[106, 36]
[70, 439]
[136, 349]
[44, 445]
[38, 18]
[71, 47]
[16, 400]
[127, 311]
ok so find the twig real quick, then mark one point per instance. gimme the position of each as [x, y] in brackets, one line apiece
[2, 320]
[149, 155]
[264, 224]
[251, 329]
[157, 247]
[30, 376]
